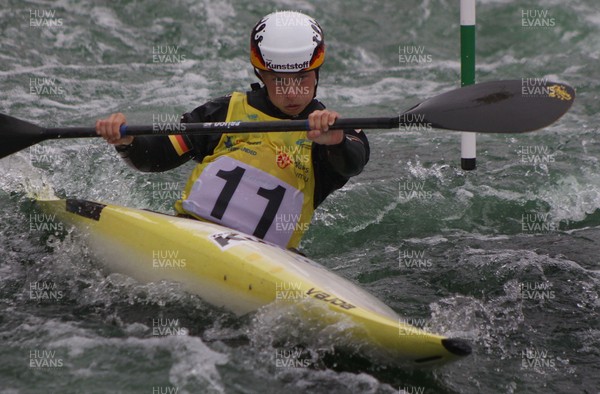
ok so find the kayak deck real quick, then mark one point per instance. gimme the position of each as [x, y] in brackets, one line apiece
[242, 273]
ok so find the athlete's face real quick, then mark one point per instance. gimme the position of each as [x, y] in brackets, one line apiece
[290, 92]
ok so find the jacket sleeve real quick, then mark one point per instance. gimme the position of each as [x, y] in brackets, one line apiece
[349, 157]
[152, 154]
[157, 153]
[335, 164]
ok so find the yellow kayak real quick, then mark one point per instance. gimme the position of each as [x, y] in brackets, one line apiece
[242, 273]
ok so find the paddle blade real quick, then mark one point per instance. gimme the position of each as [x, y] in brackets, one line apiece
[16, 134]
[512, 106]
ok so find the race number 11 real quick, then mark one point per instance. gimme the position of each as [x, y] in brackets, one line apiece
[232, 180]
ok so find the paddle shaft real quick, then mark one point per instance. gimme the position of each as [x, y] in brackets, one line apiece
[223, 127]
[514, 106]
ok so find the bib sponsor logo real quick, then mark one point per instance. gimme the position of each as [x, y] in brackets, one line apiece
[283, 160]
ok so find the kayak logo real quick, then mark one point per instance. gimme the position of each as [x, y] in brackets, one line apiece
[536, 291]
[412, 327]
[537, 223]
[413, 259]
[226, 240]
[41, 358]
[412, 190]
[166, 54]
[45, 292]
[167, 124]
[537, 18]
[45, 87]
[414, 122]
[44, 18]
[167, 258]
[289, 291]
[326, 297]
[536, 154]
[168, 327]
[293, 358]
[413, 54]
[537, 359]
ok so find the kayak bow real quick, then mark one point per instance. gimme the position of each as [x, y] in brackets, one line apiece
[242, 274]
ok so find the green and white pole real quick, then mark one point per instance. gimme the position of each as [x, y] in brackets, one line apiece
[468, 149]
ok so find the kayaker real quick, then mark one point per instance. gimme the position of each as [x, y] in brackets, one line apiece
[264, 184]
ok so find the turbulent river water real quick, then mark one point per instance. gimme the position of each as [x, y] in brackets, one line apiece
[505, 256]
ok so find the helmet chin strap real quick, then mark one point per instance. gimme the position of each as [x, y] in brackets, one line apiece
[316, 80]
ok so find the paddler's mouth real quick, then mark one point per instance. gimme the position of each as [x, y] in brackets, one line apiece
[293, 109]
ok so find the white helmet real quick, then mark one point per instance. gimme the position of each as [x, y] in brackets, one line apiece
[288, 42]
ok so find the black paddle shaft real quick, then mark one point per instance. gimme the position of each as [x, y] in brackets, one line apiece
[514, 106]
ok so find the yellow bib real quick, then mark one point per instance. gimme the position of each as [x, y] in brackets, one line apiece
[258, 183]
